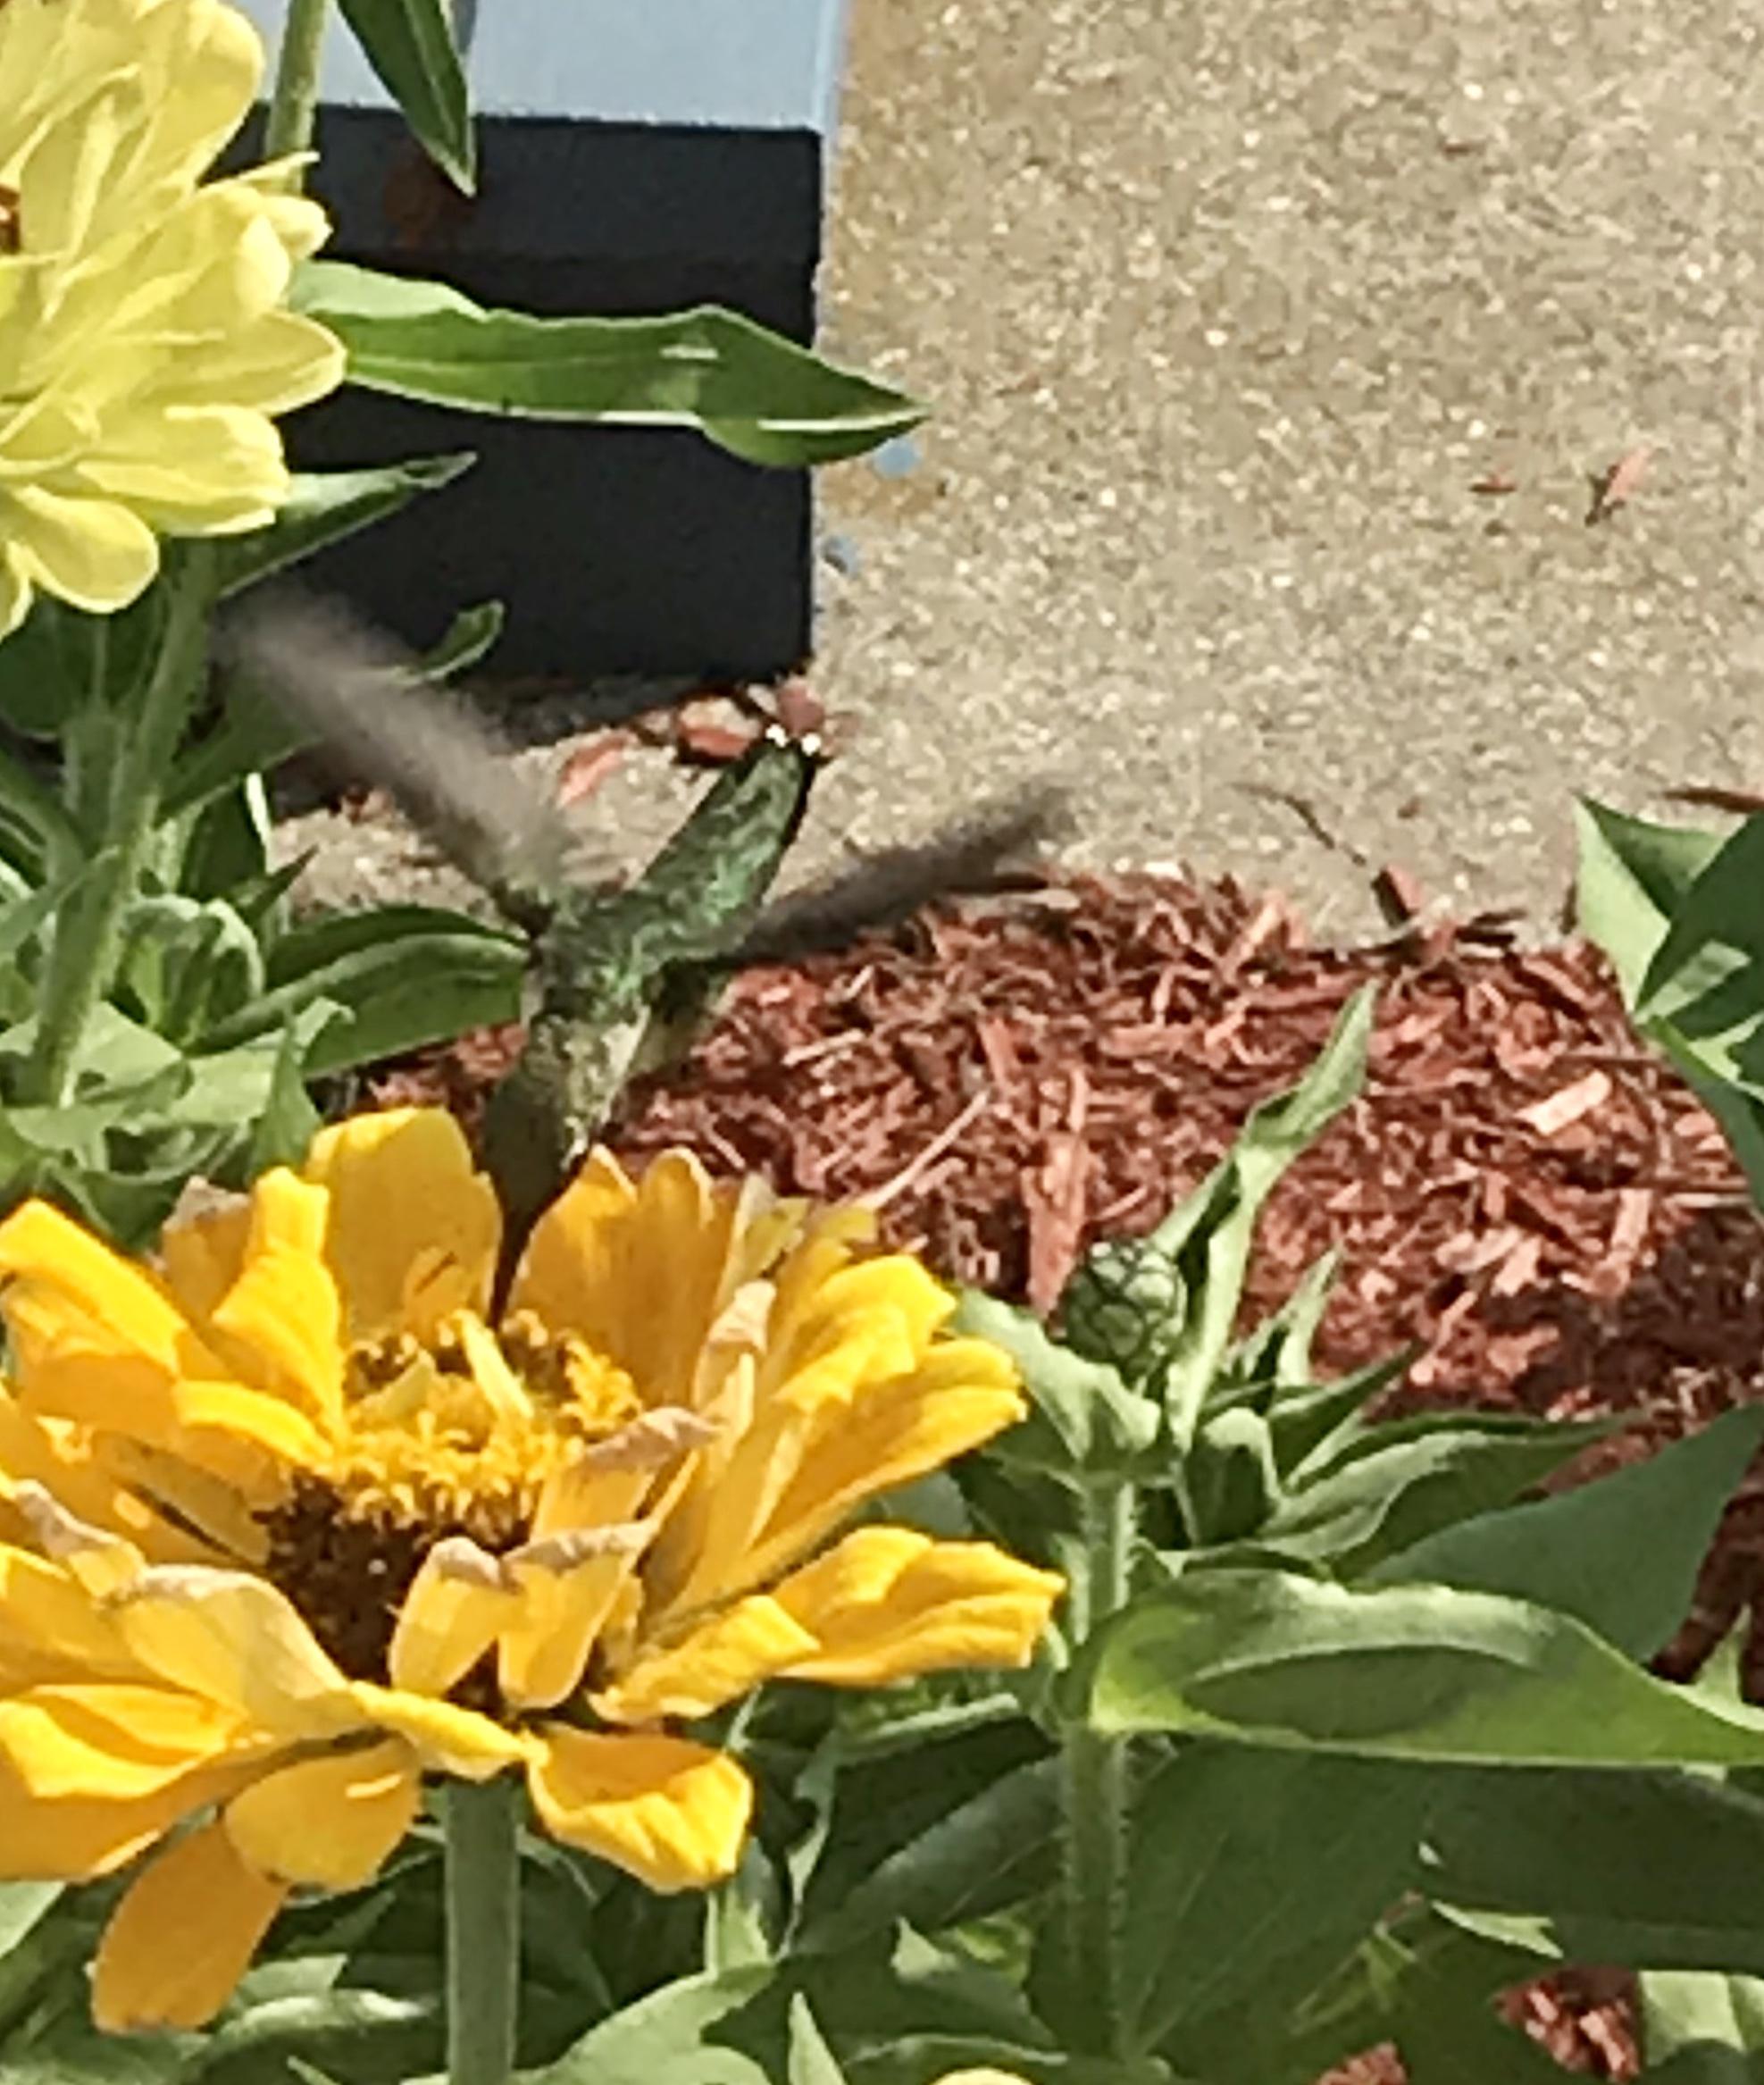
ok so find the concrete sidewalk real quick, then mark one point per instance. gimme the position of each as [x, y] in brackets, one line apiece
[1226, 308]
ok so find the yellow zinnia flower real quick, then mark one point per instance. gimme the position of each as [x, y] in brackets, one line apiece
[285, 1525]
[142, 345]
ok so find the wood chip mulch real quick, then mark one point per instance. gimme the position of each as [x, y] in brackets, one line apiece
[1521, 1187]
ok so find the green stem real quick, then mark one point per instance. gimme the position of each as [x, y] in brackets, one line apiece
[83, 950]
[1095, 1768]
[294, 101]
[483, 1885]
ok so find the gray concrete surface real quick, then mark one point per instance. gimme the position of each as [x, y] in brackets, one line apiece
[1224, 307]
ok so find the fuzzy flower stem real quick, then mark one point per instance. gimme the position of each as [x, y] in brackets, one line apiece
[1095, 1795]
[83, 950]
[294, 101]
[483, 1903]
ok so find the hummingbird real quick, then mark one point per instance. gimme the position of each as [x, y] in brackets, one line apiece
[622, 977]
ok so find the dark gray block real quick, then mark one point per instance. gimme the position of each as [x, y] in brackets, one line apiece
[694, 176]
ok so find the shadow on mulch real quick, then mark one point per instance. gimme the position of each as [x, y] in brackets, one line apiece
[1521, 1187]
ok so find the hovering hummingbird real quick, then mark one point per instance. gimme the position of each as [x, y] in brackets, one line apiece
[622, 977]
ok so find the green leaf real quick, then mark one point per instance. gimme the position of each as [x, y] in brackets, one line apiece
[1313, 1423]
[287, 1121]
[1678, 915]
[1441, 2015]
[472, 633]
[1703, 2030]
[1085, 1420]
[991, 1851]
[410, 45]
[812, 2062]
[1707, 976]
[732, 2027]
[34, 829]
[1631, 877]
[1400, 1482]
[1420, 1672]
[753, 393]
[358, 2035]
[183, 963]
[1213, 1924]
[1621, 1555]
[1279, 1349]
[1647, 1870]
[324, 507]
[403, 976]
[1214, 1230]
[1232, 1490]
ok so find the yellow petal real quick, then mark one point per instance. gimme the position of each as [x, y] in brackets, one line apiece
[281, 1321]
[458, 1603]
[719, 1662]
[15, 589]
[568, 1586]
[45, 1610]
[640, 1272]
[889, 1604]
[41, 1247]
[97, 1340]
[32, 1454]
[329, 1822]
[89, 552]
[448, 1739]
[869, 1320]
[91, 1774]
[202, 1248]
[100, 1562]
[413, 1229]
[112, 1738]
[182, 1937]
[236, 1641]
[226, 1518]
[962, 1394]
[672, 1813]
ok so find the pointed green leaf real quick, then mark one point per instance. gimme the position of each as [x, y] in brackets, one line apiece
[404, 976]
[410, 45]
[1418, 1672]
[812, 2062]
[1707, 976]
[1405, 1479]
[1086, 1419]
[1213, 1923]
[1631, 877]
[1214, 1229]
[1646, 1870]
[326, 507]
[984, 1854]
[1703, 2030]
[752, 392]
[1621, 1555]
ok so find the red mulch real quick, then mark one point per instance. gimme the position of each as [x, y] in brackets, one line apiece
[1520, 1186]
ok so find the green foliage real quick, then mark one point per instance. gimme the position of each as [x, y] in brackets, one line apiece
[750, 392]
[1703, 2030]
[1681, 916]
[410, 44]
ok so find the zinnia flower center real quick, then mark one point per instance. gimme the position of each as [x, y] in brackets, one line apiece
[454, 1436]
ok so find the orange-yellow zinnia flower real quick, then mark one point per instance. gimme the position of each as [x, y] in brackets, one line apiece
[285, 1525]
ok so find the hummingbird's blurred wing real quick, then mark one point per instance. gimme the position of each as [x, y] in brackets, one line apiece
[365, 698]
[982, 851]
